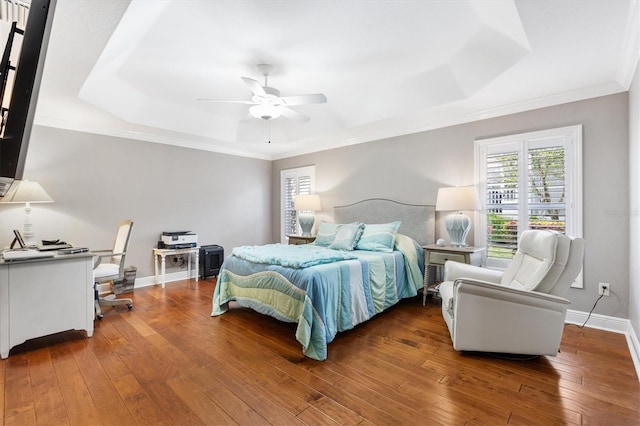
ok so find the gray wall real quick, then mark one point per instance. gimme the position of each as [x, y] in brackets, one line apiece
[411, 168]
[99, 180]
[96, 181]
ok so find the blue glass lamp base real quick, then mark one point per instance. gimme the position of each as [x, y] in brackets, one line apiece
[458, 225]
[306, 221]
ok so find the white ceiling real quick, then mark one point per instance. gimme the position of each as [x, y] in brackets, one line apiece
[389, 67]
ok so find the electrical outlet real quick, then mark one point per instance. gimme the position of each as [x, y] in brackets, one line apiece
[604, 289]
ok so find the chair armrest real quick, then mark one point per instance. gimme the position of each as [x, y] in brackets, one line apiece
[107, 253]
[508, 294]
[455, 270]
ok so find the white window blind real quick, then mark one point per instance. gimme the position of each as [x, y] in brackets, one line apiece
[502, 171]
[528, 181]
[547, 188]
[293, 182]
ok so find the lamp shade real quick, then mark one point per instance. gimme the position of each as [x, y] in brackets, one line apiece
[458, 198]
[28, 192]
[307, 202]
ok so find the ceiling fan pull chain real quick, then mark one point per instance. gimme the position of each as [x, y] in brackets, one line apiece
[268, 131]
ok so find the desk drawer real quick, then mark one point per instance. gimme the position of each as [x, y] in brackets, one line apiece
[440, 258]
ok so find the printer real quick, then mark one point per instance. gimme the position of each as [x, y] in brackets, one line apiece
[178, 240]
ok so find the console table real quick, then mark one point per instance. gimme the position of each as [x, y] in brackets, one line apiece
[44, 296]
[163, 253]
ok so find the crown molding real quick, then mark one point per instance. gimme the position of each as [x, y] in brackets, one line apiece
[179, 141]
[419, 122]
[452, 120]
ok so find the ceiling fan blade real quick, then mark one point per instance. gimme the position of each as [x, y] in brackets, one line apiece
[294, 115]
[316, 98]
[230, 102]
[255, 86]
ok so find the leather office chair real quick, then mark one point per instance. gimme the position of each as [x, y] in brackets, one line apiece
[108, 266]
[518, 311]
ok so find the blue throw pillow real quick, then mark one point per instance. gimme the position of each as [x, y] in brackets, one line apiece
[379, 237]
[347, 236]
[326, 233]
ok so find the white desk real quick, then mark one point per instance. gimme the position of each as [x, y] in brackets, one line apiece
[44, 296]
[162, 253]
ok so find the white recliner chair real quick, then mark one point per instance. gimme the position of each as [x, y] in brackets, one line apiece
[519, 311]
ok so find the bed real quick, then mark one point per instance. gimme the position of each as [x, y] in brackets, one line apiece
[325, 287]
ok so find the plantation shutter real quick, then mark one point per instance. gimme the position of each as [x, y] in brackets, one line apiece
[290, 191]
[294, 182]
[502, 173]
[528, 181]
[547, 208]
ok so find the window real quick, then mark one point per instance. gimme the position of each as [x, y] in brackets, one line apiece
[293, 182]
[528, 181]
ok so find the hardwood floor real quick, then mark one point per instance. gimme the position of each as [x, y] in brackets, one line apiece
[169, 362]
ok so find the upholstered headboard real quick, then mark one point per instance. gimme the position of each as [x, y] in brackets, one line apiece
[418, 221]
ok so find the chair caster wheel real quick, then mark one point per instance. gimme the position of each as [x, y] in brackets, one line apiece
[130, 306]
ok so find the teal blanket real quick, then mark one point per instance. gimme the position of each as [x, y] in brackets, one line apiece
[290, 256]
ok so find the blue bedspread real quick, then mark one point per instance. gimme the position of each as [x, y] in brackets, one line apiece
[326, 298]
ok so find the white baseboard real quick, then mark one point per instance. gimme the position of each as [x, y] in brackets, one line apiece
[634, 347]
[607, 323]
[169, 277]
[602, 322]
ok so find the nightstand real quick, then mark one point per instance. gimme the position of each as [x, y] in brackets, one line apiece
[301, 239]
[435, 256]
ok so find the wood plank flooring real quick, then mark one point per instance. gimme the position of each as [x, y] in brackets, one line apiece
[169, 362]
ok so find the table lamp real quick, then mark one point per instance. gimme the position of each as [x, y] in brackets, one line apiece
[27, 192]
[306, 205]
[457, 199]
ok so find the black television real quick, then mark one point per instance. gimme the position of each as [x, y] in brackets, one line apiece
[20, 85]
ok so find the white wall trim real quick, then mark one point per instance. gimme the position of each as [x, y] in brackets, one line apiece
[169, 277]
[634, 347]
[183, 141]
[613, 324]
[601, 322]
[362, 134]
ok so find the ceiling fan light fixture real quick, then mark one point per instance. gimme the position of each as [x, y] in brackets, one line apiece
[266, 111]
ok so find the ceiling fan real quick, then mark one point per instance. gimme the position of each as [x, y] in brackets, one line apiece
[266, 102]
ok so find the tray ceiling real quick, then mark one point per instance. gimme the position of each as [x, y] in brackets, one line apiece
[137, 68]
